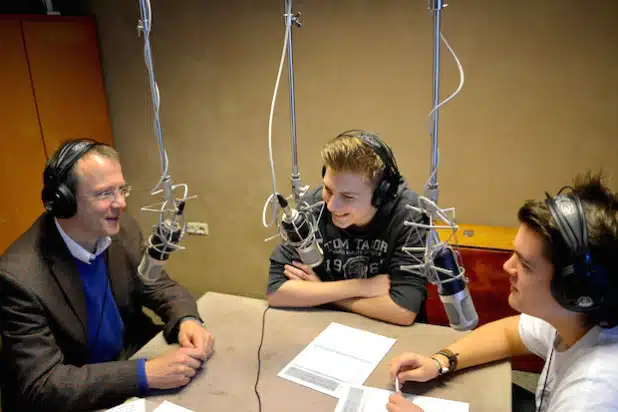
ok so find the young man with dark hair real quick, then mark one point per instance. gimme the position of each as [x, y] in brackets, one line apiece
[564, 277]
[361, 232]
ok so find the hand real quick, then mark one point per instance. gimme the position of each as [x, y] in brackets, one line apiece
[397, 403]
[173, 369]
[379, 285]
[299, 271]
[193, 335]
[413, 367]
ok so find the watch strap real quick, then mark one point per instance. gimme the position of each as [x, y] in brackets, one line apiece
[452, 358]
[441, 369]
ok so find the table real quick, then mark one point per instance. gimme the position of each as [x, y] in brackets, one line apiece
[227, 380]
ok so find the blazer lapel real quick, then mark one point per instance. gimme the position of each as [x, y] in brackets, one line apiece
[64, 270]
[117, 272]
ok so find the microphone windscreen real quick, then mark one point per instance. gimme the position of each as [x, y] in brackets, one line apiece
[446, 259]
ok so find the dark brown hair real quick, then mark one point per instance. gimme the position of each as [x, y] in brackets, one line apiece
[600, 206]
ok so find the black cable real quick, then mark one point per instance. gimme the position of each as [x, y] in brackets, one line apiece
[257, 379]
[551, 355]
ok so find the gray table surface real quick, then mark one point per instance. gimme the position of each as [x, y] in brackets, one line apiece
[226, 382]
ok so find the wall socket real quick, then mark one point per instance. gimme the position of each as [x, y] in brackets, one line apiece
[197, 228]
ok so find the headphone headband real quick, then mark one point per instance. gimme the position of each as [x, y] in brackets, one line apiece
[70, 154]
[383, 151]
[569, 216]
[577, 283]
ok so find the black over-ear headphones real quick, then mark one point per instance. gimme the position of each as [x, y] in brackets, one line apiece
[578, 284]
[391, 179]
[58, 198]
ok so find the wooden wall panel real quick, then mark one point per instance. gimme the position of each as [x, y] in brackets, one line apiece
[66, 73]
[21, 148]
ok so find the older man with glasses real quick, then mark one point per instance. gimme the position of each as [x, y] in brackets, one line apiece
[71, 298]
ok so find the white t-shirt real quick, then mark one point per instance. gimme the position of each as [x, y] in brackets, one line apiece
[582, 378]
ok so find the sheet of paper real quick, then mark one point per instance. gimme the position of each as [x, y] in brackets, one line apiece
[138, 405]
[366, 399]
[339, 355]
[168, 406]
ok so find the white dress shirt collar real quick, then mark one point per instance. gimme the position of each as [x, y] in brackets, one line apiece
[78, 251]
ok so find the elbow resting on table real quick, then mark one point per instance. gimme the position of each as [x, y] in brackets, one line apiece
[402, 319]
[406, 319]
[276, 299]
[381, 308]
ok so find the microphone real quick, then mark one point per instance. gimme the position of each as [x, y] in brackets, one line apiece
[454, 292]
[440, 265]
[163, 241]
[298, 230]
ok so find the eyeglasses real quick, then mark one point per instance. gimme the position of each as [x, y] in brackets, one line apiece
[110, 194]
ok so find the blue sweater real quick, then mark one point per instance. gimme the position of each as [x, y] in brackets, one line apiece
[105, 326]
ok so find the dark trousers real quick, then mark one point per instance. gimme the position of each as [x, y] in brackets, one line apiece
[522, 399]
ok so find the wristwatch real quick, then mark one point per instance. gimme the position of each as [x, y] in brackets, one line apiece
[441, 369]
[452, 361]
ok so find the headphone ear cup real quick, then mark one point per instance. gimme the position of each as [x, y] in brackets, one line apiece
[63, 203]
[46, 197]
[58, 198]
[380, 193]
[578, 287]
[560, 289]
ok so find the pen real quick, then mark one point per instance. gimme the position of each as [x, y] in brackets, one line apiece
[397, 384]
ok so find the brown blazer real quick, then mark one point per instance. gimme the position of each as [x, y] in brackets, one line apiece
[43, 321]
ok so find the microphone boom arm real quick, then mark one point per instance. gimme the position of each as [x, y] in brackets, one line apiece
[172, 224]
[433, 245]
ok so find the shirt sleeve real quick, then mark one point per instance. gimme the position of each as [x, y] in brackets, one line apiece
[408, 289]
[281, 256]
[142, 379]
[536, 334]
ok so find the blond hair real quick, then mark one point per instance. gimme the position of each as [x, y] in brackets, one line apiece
[350, 154]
